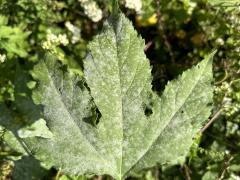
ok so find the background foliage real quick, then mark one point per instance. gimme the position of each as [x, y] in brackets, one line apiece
[178, 33]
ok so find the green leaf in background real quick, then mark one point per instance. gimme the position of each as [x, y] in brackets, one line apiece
[13, 143]
[147, 9]
[114, 124]
[13, 39]
[28, 168]
[224, 2]
[65, 177]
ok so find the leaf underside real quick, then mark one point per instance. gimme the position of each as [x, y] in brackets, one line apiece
[118, 84]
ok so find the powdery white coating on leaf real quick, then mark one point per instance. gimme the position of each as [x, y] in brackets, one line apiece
[118, 75]
[66, 103]
[126, 139]
[184, 107]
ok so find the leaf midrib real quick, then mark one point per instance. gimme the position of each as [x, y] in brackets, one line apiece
[121, 99]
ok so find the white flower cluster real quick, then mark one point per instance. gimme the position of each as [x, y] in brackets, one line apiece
[92, 10]
[2, 58]
[134, 4]
[189, 5]
[52, 43]
[54, 40]
[74, 30]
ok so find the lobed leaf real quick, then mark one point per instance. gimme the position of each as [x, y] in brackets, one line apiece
[136, 128]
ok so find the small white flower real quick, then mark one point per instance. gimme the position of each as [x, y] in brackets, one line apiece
[92, 10]
[2, 58]
[220, 41]
[69, 26]
[75, 31]
[54, 40]
[46, 45]
[134, 4]
[62, 39]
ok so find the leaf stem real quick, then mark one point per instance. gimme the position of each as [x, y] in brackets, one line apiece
[187, 172]
[216, 115]
[58, 175]
[115, 7]
[222, 80]
[225, 167]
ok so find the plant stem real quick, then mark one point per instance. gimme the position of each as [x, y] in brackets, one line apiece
[115, 7]
[225, 167]
[216, 115]
[58, 174]
[187, 172]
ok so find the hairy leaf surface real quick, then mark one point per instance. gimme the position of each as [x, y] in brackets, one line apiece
[136, 128]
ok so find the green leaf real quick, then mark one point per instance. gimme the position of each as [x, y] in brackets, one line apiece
[118, 75]
[65, 177]
[13, 40]
[7, 120]
[37, 129]
[23, 84]
[210, 175]
[28, 168]
[224, 2]
[68, 113]
[136, 128]
[12, 142]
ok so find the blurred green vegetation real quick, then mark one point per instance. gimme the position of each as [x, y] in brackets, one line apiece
[178, 33]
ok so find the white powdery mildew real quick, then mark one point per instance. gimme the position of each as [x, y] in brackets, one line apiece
[119, 58]
[178, 116]
[62, 120]
[119, 79]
